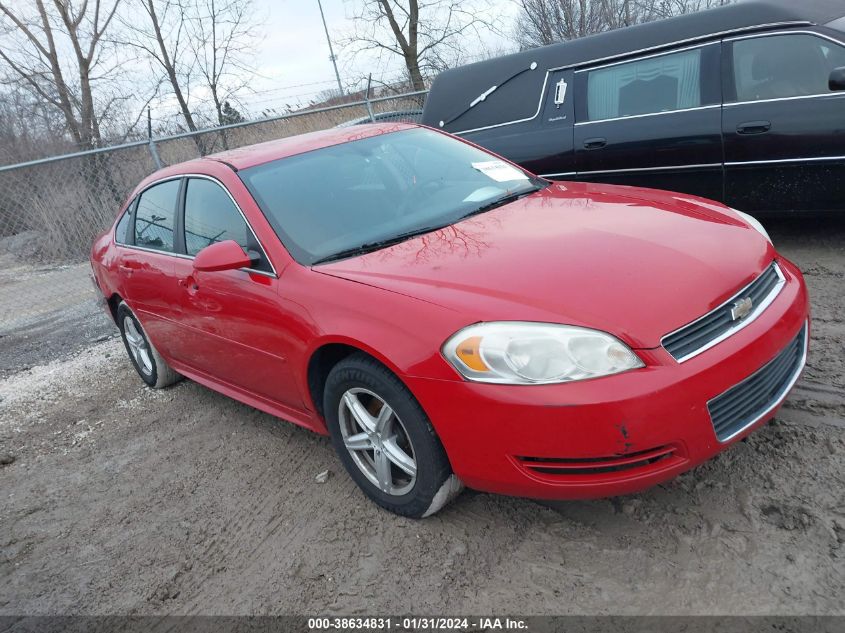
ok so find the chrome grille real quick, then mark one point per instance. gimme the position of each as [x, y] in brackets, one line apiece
[719, 324]
[745, 403]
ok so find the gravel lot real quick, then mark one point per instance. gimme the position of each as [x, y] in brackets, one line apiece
[119, 499]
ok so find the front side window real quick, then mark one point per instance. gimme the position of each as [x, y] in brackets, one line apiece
[155, 216]
[784, 66]
[359, 196]
[211, 216]
[647, 86]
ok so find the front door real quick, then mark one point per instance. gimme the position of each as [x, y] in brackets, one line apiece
[784, 129]
[232, 326]
[652, 122]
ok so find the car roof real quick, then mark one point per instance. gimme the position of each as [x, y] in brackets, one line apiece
[252, 155]
[453, 90]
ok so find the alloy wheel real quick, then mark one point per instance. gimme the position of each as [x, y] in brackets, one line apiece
[138, 346]
[377, 441]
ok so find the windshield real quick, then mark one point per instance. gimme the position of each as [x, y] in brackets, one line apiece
[359, 196]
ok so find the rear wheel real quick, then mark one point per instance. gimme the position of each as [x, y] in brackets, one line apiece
[385, 440]
[149, 364]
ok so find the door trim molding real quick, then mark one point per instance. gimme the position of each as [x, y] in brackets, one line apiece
[648, 114]
[816, 159]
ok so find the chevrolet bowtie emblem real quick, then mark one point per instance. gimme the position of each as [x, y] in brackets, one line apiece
[741, 308]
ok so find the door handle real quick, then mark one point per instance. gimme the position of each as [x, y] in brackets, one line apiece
[595, 143]
[753, 127]
[190, 284]
[126, 270]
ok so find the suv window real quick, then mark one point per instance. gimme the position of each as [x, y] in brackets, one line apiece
[658, 84]
[782, 66]
[211, 216]
[155, 216]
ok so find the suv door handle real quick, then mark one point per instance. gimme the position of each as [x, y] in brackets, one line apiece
[595, 143]
[126, 270]
[754, 127]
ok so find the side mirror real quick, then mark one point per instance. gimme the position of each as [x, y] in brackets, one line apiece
[837, 79]
[225, 255]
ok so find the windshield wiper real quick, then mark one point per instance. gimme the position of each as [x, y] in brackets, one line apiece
[498, 202]
[369, 247]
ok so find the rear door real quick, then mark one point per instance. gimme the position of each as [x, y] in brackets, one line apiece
[146, 261]
[654, 121]
[784, 129]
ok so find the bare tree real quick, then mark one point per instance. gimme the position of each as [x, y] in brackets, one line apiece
[161, 37]
[222, 41]
[54, 50]
[542, 22]
[425, 34]
[201, 49]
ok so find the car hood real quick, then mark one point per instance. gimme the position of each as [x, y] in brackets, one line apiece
[633, 262]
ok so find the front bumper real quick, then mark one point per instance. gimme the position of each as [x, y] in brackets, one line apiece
[613, 435]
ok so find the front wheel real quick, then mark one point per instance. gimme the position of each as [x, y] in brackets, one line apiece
[385, 440]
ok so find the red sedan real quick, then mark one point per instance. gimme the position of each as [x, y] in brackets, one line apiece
[450, 319]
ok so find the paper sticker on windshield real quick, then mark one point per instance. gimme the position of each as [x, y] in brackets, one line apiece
[499, 171]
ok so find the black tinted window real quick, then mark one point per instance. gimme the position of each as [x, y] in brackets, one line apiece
[657, 84]
[210, 216]
[782, 66]
[154, 219]
[122, 225]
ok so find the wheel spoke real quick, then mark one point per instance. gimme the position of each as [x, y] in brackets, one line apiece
[383, 419]
[359, 442]
[144, 360]
[399, 457]
[361, 415]
[385, 477]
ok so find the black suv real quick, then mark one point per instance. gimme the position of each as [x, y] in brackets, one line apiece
[740, 104]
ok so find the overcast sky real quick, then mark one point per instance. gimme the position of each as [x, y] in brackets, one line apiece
[294, 58]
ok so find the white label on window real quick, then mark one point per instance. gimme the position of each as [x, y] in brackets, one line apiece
[499, 171]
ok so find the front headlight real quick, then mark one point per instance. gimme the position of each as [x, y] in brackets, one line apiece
[754, 223]
[522, 353]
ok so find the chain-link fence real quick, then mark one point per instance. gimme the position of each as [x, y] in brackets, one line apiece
[51, 209]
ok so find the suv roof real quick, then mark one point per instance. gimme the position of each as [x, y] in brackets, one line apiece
[453, 90]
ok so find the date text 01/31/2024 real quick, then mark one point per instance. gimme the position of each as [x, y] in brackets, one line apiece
[416, 624]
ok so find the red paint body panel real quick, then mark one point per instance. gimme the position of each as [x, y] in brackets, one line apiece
[636, 263]
[632, 262]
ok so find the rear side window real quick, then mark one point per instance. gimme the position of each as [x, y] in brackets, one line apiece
[646, 86]
[122, 225]
[783, 66]
[155, 216]
[211, 216]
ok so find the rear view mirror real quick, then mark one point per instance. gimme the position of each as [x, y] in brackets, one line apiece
[225, 255]
[837, 79]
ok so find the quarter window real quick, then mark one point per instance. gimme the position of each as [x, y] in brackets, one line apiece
[211, 216]
[155, 216]
[647, 86]
[783, 66]
[122, 225]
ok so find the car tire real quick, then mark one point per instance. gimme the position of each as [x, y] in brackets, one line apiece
[149, 364]
[394, 454]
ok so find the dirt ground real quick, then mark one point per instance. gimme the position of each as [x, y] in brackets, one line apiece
[119, 499]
